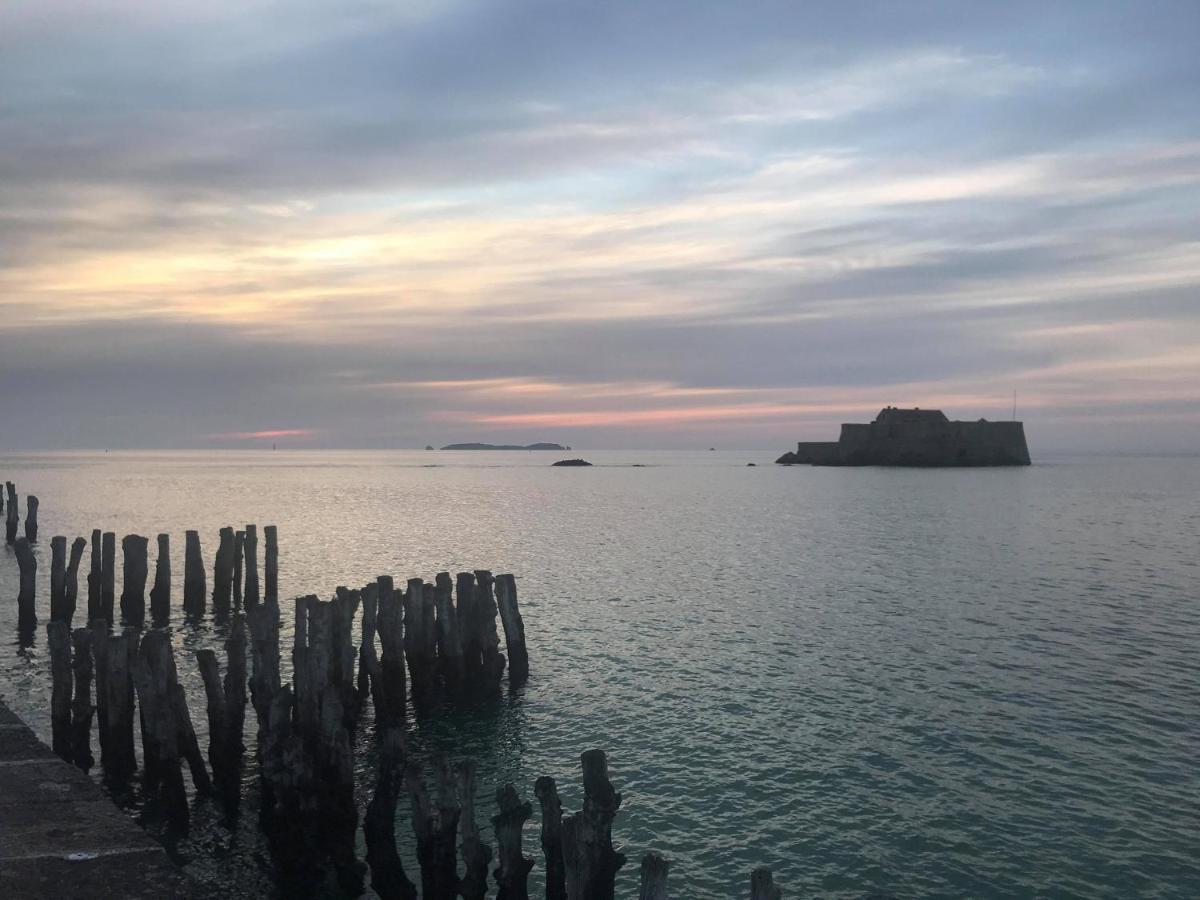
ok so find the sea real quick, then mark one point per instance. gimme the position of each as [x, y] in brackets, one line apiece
[875, 682]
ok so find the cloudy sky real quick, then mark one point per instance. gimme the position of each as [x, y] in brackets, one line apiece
[647, 224]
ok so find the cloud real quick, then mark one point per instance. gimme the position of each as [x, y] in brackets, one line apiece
[398, 225]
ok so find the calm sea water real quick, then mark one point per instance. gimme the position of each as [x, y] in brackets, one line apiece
[926, 683]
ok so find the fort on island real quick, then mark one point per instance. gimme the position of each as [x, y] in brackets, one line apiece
[917, 437]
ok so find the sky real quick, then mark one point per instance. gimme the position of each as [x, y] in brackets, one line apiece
[653, 224]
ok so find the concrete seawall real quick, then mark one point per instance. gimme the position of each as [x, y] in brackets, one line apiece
[60, 836]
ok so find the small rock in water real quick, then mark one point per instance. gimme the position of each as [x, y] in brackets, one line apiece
[572, 462]
[752, 464]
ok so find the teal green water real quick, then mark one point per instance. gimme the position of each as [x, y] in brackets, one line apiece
[977, 683]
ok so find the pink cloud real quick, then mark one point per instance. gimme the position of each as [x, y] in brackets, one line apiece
[263, 435]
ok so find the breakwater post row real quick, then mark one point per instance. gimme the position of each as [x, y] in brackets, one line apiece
[12, 517]
[437, 639]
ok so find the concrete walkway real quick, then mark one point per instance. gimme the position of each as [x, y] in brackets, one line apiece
[60, 836]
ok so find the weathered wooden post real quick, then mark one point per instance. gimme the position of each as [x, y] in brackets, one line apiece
[94, 580]
[222, 595]
[389, 694]
[193, 576]
[27, 590]
[418, 649]
[118, 754]
[271, 564]
[514, 627]
[369, 670]
[160, 737]
[435, 828]
[58, 578]
[654, 878]
[71, 581]
[133, 579]
[556, 879]
[11, 516]
[239, 540]
[250, 552]
[762, 886]
[512, 873]
[31, 522]
[108, 574]
[476, 854]
[58, 636]
[263, 622]
[388, 878]
[226, 711]
[99, 629]
[449, 638]
[472, 652]
[485, 621]
[345, 607]
[160, 593]
[81, 704]
[591, 862]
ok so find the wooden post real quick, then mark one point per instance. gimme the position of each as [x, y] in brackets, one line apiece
[119, 759]
[388, 878]
[485, 623]
[58, 637]
[99, 630]
[250, 551]
[94, 580]
[108, 575]
[512, 873]
[271, 564]
[71, 581]
[265, 682]
[160, 594]
[556, 879]
[226, 712]
[27, 590]
[389, 695]
[10, 517]
[472, 652]
[435, 828]
[476, 854]
[58, 578]
[31, 522]
[414, 632]
[239, 540]
[345, 607]
[654, 878]
[222, 595]
[449, 639]
[369, 671]
[81, 705]
[514, 627]
[762, 886]
[133, 578]
[160, 735]
[591, 862]
[193, 576]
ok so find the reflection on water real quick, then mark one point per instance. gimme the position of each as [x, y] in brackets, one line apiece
[966, 683]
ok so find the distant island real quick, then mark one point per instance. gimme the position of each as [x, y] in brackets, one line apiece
[917, 437]
[505, 447]
[572, 462]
